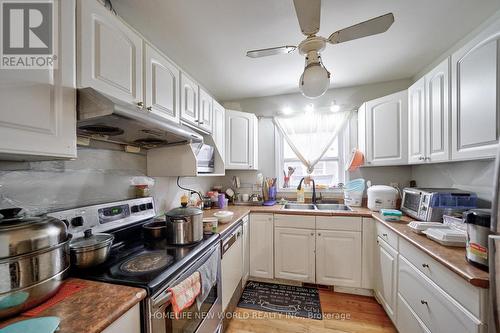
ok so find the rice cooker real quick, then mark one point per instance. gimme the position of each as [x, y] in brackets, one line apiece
[382, 196]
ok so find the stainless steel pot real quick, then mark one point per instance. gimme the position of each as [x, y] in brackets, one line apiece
[155, 230]
[34, 259]
[90, 250]
[184, 225]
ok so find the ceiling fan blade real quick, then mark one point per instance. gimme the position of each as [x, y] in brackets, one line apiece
[270, 51]
[308, 13]
[367, 28]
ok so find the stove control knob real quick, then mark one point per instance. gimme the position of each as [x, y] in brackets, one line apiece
[77, 221]
[135, 209]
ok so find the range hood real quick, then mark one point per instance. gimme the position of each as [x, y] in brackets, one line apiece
[106, 118]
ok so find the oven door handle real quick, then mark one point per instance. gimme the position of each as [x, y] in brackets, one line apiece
[162, 299]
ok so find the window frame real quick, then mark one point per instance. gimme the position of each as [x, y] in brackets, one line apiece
[280, 160]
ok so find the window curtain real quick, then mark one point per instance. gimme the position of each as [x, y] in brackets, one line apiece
[319, 130]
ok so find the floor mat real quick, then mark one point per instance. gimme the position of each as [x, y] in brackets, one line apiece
[289, 300]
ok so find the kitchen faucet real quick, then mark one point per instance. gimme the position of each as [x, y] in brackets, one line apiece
[314, 189]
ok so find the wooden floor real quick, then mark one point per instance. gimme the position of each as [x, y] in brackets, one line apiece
[343, 313]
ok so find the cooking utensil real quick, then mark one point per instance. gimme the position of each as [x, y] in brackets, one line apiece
[34, 259]
[90, 250]
[184, 225]
[154, 230]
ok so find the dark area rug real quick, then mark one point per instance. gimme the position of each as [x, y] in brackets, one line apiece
[289, 300]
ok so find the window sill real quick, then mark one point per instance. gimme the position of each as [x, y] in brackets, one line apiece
[294, 190]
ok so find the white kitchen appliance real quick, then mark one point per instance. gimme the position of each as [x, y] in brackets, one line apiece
[382, 196]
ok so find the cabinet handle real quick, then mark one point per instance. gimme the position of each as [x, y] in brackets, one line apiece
[149, 108]
[425, 266]
[421, 158]
[427, 158]
[140, 104]
[319, 234]
[384, 235]
[424, 302]
[200, 122]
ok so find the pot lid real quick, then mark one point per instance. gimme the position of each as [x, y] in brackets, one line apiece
[480, 217]
[184, 211]
[21, 234]
[91, 241]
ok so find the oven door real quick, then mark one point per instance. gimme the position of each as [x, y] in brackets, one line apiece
[206, 318]
[410, 204]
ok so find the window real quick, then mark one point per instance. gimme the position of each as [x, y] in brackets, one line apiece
[328, 172]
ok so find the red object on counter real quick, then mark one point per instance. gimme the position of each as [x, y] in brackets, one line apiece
[67, 289]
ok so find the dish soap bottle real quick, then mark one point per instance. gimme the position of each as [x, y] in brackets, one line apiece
[301, 195]
[184, 200]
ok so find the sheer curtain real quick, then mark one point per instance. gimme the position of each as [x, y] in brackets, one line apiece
[310, 134]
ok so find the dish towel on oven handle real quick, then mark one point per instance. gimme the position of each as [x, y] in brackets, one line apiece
[208, 272]
[184, 294]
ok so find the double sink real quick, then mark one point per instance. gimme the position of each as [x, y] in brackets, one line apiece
[322, 207]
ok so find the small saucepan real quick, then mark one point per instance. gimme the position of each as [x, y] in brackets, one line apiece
[90, 250]
[155, 230]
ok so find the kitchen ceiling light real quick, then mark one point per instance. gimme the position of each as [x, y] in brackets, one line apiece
[309, 108]
[335, 107]
[286, 111]
[316, 79]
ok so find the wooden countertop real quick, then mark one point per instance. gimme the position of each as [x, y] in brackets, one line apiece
[91, 309]
[451, 257]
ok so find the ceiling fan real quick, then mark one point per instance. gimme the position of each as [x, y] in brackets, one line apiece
[315, 79]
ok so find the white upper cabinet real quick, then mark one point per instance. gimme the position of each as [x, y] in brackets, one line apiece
[475, 116]
[416, 122]
[38, 113]
[383, 124]
[189, 100]
[241, 140]
[429, 117]
[219, 114]
[161, 85]
[205, 117]
[110, 53]
[437, 123]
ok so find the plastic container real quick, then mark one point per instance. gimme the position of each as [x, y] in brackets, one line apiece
[447, 237]
[419, 227]
[210, 225]
[353, 199]
[391, 215]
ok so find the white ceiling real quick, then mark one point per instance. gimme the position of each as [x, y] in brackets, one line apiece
[209, 39]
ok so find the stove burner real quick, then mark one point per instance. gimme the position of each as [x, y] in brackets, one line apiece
[147, 262]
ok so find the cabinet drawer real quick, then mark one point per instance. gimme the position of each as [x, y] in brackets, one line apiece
[295, 221]
[466, 294]
[387, 235]
[437, 310]
[408, 321]
[346, 223]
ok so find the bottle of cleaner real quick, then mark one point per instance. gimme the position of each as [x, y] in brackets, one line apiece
[301, 195]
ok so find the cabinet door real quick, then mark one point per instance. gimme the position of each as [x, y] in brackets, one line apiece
[189, 100]
[240, 137]
[475, 116]
[416, 122]
[219, 128]
[261, 246]
[438, 113]
[161, 81]
[386, 262]
[205, 120]
[110, 53]
[38, 113]
[338, 258]
[294, 257]
[129, 322]
[386, 130]
[246, 249]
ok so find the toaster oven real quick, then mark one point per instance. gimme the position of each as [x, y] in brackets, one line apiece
[429, 204]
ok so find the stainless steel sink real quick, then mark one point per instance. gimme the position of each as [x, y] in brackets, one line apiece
[297, 206]
[333, 207]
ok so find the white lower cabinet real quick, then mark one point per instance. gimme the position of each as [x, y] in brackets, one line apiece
[261, 246]
[338, 258]
[435, 308]
[386, 270]
[294, 257]
[246, 249]
[129, 322]
[408, 321]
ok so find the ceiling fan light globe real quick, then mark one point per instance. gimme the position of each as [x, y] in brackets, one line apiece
[315, 81]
